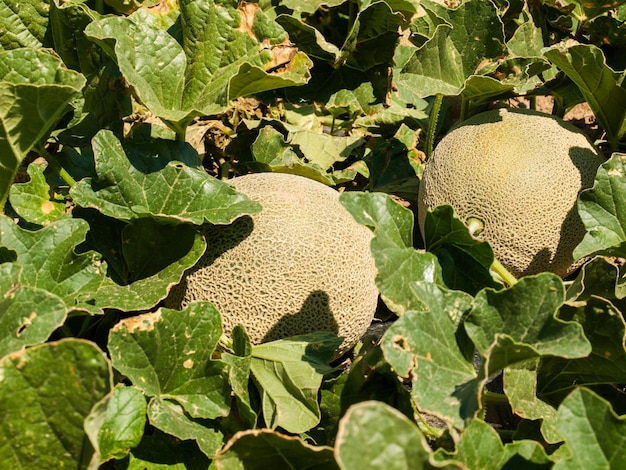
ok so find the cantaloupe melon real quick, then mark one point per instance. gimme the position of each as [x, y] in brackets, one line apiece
[301, 265]
[519, 173]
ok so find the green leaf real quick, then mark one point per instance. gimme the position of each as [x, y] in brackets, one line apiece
[602, 209]
[392, 223]
[172, 419]
[23, 24]
[595, 436]
[167, 354]
[586, 66]
[605, 328]
[289, 373]
[376, 436]
[520, 386]
[194, 74]
[465, 261]
[117, 423]
[324, 150]
[599, 277]
[50, 261]
[396, 261]
[47, 392]
[34, 201]
[239, 374]
[260, 449]
[519, 323]
[425, 345]
[35, 90]
[471, 33]
[133, 186]
[28, 315]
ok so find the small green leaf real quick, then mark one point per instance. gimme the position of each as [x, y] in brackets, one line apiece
[172, 419]
[425, 346]
[239, 374]
[376, 436]
[260, 449]
[28, 315]
[601, 87]
[47, 392]
[289, 373]
[595, 436]
[35, 90]
[34, 200]
[117, 423]
[156, 186]
[324, 150]
[602, 209]
[167, 354]
[518, 323]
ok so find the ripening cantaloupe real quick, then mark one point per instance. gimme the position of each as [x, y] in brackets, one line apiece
[519, 173]
[301, 265]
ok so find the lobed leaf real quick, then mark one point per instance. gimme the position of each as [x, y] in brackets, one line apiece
[602, 209]
[134, 186]
[167, 355]
[519, 323]
[426, 346]
[288, 373]
[23, 24]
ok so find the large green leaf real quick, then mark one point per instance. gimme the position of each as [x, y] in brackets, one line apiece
[518, 323]
[181, 78]
[28, 315]
[601, 87]
[35, 89]
[376, 436]
[602, 209]
[167, 354]
[595, 436]
[47, 392]
[50, 260]
[468, 35]
[131, 185]
[23, 24]
[426, 346]
[260, 449]
[289, 373]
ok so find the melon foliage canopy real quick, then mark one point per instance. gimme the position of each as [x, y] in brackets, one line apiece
[299, 266]
[517, 174]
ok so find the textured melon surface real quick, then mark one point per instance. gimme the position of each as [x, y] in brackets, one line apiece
[301, 265]
[519, 172]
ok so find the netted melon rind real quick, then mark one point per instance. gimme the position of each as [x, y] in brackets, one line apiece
[301, 265]
[519, 172]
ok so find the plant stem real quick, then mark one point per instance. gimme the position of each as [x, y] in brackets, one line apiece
[495, 398]
[432, 124]
[504, 273]
[56, 166]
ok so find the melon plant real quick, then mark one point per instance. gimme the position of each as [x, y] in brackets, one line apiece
[514, 176]
[301, 265]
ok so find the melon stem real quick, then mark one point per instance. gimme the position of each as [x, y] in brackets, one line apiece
[504, 273]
